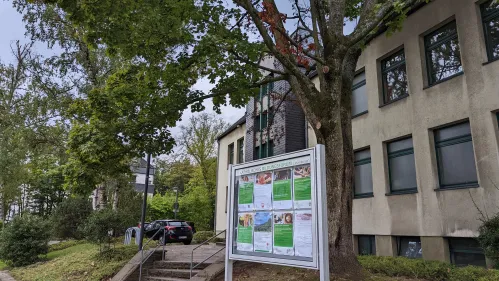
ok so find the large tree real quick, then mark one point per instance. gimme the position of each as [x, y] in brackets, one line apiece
[174, 43]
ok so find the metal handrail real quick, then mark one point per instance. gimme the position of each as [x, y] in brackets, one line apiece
[205, 242]
[152, 252]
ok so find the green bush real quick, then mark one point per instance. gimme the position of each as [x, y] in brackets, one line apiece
[65, 244]
[202, 236]
[23, 240]
[101, 226]
[489, 238]
[424, 269]
[69, 215]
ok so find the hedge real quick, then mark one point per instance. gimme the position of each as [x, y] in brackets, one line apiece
[424, 269]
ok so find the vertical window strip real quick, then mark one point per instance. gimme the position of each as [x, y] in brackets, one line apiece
[396, 154]
[489, 15]
[385, 70]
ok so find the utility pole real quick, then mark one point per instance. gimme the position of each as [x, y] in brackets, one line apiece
[175, 206]
[144, 202]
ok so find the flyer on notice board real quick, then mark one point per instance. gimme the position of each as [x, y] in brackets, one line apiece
[263, 232]
[245, 224]
[302, 187]
[282, 190]
[263, 191]
[283, 233]
[245, 193]
[303, 234]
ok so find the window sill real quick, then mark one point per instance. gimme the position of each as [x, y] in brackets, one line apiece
[491, 61]
[393, 101]
[464, 186]
[365, 195]
[444, 80]
[402, 192]
[360, 114]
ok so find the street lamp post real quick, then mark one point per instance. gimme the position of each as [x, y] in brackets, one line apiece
[144, 202]
[175, 206]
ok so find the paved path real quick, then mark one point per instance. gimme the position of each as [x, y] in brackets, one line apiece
[4, 276]
[183, 253]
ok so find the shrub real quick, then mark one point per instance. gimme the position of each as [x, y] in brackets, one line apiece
[23, 240]
[424, 269]
[69, 215]
[101, 225]
[202, 236]
[489, 238]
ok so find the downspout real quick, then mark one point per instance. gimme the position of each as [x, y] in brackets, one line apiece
[260, 151]
[269, 89]
[216, 190]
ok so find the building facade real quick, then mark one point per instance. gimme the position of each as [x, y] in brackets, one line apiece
[425, 134]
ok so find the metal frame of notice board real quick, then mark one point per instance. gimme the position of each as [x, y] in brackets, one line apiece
[320, 253]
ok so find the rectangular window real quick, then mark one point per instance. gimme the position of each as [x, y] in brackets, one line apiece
[490, 18]
[266, 89]
[231, 154]
[443, 56]
[359, 95]
[409, 247]
[240, 150]
[363, 186]
[226, 198]
[259, 126]
[401, 166]
[455, 156]
[466, 251]
[267, 150]
[394, 76]
[367, 245]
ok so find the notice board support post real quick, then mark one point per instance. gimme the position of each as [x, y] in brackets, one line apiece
[228, 248]
[320, 153]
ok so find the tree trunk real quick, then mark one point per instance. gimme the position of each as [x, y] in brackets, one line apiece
[101, 197]
[115, 198]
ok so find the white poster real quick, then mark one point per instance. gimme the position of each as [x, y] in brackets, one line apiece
[263, 232]
[263, 191]
[303, 235]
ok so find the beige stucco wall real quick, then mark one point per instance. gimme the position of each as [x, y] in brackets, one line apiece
[223, 173]
[473, 96]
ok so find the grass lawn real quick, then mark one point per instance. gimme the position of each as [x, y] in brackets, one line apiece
[263, 272]
[79, 262]
[2, 265]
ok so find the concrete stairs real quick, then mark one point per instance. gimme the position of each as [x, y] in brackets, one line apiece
[172, 271]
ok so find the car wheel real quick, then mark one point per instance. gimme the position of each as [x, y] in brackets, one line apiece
[188, 242]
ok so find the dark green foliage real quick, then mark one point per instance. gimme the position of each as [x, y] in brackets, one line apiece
[101, 226]
[202, 236]
[489, 238]
[424, 269]
[69, 216]
[129, 208]
[23, 240]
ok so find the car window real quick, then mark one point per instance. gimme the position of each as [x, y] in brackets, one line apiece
[178, 223]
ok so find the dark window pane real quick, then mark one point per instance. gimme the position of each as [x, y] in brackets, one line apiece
[367, 244]
[464, 259]
[361, 77]
[410, 247]
[441, 34]
[445, 61]
[393, 60]
[395, 83]
[359, 100]
[457, 164]
[400, 145]
[363, 179]
[490, 7]
[492, 33]
[231, 153]
[402, 172]
[257, 123]
[466, 251]
[453, 131]
[240, 150]
[363, 154]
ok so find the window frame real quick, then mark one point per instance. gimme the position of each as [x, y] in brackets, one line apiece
[372, 241]
[399, 245]
[386, 70]
[230, 155]
[361, 162]
[240, 150]
[448, 142]
[429, 48]
[395, 154]
[358, 85]
[487, 17]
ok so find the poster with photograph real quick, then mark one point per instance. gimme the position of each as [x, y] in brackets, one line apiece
[263, 191]
[282, 190]
[245, 224]
[303, 235]
[245, 192]
[263, 232]
[302, 187]
[283, 233]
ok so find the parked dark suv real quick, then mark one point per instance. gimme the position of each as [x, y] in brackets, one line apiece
[176, 231]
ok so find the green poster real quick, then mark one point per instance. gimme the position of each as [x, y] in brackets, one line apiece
[303, 189]
[283, 235]
[245, 225]
[245, 192]
[282, 190]
[245, 234]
